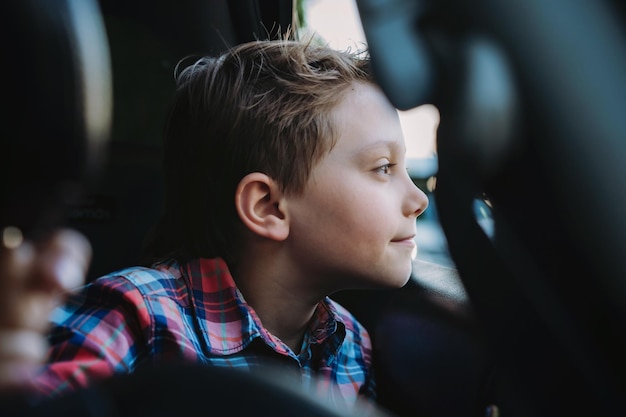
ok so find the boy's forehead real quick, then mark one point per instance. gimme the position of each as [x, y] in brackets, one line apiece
[365, 121]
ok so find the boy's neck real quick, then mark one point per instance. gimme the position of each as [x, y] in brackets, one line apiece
[271, 287]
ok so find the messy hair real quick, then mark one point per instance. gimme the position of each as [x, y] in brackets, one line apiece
[263, 106]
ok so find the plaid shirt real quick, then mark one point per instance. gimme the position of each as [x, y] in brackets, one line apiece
[143, 316]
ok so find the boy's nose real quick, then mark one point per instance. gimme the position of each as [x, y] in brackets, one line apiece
[416, 200]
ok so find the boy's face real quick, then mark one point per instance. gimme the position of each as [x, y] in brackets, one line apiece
[353, 226]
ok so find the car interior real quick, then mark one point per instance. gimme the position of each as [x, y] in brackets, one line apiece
[531, 95]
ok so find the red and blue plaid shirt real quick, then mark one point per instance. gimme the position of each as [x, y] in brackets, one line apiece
[146, 316]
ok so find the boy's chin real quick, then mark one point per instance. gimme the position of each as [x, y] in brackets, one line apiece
[390, 282]
[372, 279]
[399, 283]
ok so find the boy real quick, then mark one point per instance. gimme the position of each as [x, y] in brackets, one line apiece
[285, 182]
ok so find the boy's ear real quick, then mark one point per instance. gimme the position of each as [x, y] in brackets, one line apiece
[259, 204]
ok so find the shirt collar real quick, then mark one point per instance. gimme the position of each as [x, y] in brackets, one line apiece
[230, 324]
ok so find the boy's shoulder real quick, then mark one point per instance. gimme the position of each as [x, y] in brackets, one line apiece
[162, 280]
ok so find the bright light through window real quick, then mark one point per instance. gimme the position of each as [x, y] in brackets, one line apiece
[337, 22]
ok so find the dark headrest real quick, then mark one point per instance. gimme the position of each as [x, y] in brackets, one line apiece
[57, 107]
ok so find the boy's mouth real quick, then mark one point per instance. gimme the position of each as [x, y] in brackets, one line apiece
[409, 240]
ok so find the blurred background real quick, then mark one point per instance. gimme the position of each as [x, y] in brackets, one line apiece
[337, 23]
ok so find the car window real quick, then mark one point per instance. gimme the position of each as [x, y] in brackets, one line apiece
[338, 24]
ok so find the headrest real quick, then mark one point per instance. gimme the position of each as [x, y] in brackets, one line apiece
[57, 108]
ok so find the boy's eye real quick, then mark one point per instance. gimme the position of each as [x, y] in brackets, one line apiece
[385, 169]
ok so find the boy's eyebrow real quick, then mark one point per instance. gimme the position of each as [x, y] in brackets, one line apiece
[383, 143]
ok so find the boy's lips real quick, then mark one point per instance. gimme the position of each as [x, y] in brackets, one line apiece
[408, 240]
